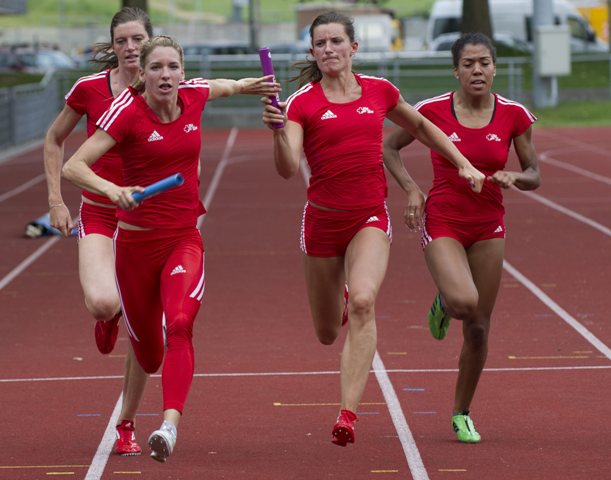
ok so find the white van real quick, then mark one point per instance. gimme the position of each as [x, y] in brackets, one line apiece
[514, 17]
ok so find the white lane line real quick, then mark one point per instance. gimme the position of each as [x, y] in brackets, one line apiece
[425, 371]
[22, 188]
[96, 469]
[104, 449]
[570, 213]
[410, 449]
[28, 261]
[558, 310]
[546, 158]
[218, 173]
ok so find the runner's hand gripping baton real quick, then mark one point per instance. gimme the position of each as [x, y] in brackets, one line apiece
[268, 69]
[172, 181]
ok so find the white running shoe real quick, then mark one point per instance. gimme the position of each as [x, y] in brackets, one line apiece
[162, 442]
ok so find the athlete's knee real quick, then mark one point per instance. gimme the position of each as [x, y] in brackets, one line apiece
[361, 305]
[151, 361]
[103, 307]
[179, 327]
[327, 334]
[475, 335]
[461, 306]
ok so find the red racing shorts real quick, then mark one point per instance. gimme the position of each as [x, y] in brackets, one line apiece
[161, 272]
[96, 219]
[326, 233]
[465, 233]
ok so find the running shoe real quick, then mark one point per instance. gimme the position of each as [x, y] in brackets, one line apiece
[343, 431]
[162, 442]
[345, 312]
[126, 439]
[439, 320]
[106, 334]
[465, 431]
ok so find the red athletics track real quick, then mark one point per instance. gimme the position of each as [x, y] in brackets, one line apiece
[265, 394]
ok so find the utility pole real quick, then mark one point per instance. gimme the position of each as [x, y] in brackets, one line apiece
[545, 89]
[254, 16]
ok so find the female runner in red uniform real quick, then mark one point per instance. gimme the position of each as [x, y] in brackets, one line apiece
[463, 235]
[156, 128]
[337, 117]
[91, 96]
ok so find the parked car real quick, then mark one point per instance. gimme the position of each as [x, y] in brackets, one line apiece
[34, 60]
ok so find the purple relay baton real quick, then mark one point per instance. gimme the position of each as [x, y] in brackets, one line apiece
[268, 69]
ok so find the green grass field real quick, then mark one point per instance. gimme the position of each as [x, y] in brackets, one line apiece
[85, 12]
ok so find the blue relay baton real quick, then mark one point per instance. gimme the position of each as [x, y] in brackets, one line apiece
[172, 181]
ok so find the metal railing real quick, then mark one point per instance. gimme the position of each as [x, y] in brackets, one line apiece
[28, 110]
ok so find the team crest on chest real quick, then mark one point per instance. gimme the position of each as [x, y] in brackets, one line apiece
[364, 110]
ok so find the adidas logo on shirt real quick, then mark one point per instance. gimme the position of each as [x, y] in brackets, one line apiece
[154, 137]
[454, 137]
[373, 218]
[178, 269]
[327, 115]
[493, 137]
[499, 229]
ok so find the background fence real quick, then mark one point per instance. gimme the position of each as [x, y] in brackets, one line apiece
[28, 110]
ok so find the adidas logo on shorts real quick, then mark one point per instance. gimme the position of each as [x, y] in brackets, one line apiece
[178, 269]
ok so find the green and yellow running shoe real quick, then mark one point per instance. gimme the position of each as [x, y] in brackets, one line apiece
[465, 431]
[439, 320]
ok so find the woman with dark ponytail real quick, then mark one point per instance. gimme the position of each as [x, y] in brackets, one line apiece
[91, 96]
[337, 118]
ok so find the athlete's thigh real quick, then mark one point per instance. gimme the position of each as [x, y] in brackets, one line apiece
[366, 261]
[183, 280]
[448, 264]
[97, 266]
[486, 262]
[138, 277]
[325, 281]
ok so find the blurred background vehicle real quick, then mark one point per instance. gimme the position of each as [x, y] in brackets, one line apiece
[34, 59]
[502, 41]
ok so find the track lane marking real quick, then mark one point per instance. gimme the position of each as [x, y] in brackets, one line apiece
[22, 188]
[298, 374]
[558, 310]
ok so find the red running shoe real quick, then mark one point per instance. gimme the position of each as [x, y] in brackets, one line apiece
[106, 334]
[343, 431]
[345, 312]
[126, 440]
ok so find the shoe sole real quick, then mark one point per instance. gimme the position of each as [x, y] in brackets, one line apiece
[159, 448]
[130, 454]
[342, 437]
